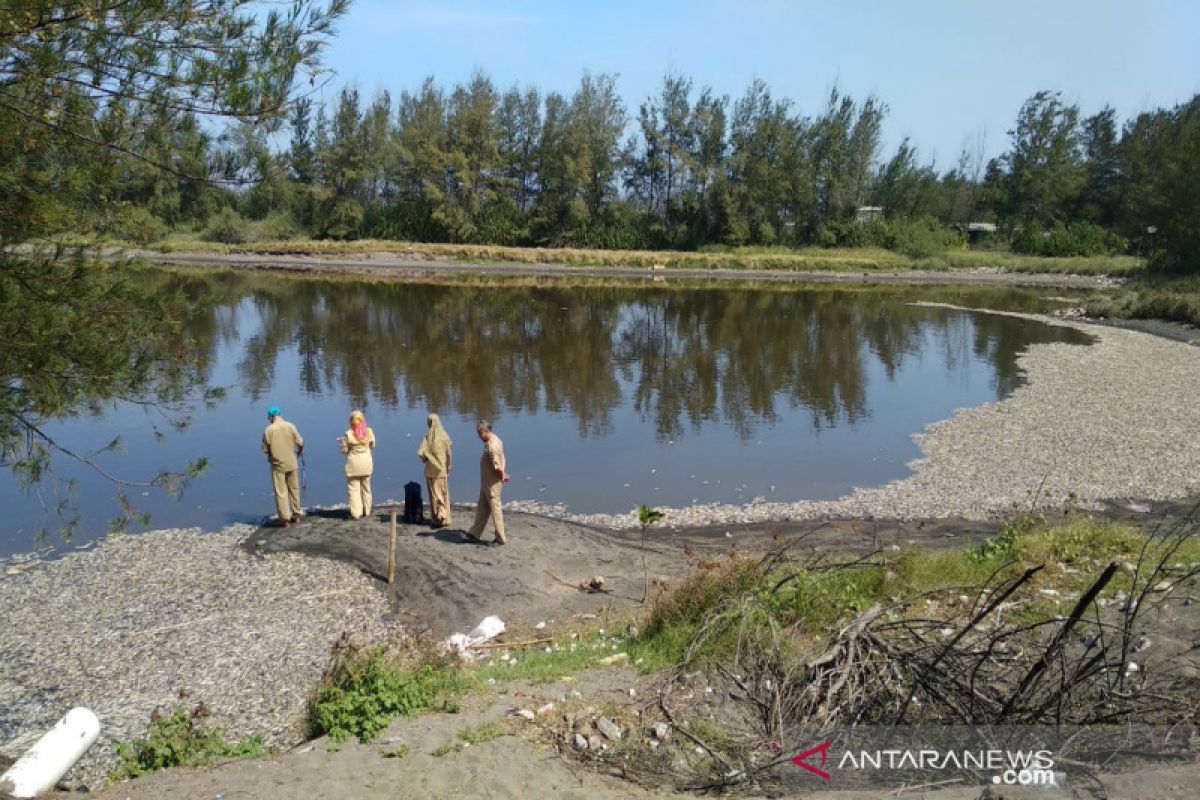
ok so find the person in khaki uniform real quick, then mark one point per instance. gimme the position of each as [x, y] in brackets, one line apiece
[492, 477]
[281, 443]
[356, 444]
[435, 453]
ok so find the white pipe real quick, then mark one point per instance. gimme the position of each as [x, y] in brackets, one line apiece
[52, 755]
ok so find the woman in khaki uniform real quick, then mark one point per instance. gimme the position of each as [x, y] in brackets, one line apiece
[435, 453]
[357, 444]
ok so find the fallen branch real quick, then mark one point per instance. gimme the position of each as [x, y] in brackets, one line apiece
[504, 645]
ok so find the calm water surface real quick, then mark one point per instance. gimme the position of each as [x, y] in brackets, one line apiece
[605, 398]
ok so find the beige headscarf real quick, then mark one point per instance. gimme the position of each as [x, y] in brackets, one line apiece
[435, 448]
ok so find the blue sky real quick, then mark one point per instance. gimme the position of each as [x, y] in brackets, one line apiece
[947, 69]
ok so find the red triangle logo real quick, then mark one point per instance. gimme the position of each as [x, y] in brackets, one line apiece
[801, 760]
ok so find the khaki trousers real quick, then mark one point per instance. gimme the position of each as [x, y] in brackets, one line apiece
[359, 488]
[287, 493]
[489, 505]
[439, 499]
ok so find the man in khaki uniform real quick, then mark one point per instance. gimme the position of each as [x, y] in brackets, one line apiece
[281, 443]
[492, 477]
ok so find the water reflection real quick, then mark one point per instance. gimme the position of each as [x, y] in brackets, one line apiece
[606, 397]
[691, 358]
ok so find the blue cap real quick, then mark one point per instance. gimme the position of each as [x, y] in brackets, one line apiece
[273, 411]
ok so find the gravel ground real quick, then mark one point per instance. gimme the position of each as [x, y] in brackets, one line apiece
[125, 629]
[1114, 419]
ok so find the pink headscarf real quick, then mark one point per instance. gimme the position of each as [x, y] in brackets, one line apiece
[358, 424]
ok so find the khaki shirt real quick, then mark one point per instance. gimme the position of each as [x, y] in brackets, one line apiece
[280, 442]
[358, 455]
[492, 465]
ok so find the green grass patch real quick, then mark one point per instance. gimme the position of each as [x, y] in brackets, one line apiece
[365, 689]
[483, 733]
[535, 665]
[402, 751]
[727, 604]
[820, 259]
[1114, 266]
[1153, 297]
[179, 740]
[719, 740]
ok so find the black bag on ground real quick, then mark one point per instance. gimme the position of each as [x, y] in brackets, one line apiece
[413, 512]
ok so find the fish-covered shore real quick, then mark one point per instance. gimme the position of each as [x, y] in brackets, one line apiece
[177, 618]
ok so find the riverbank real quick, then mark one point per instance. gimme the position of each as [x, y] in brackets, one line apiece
[504, 738]
[810, 258]
[420, 263]
[241, 622]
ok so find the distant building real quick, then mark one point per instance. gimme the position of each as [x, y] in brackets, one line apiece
[978, 230]
[974, 231]
[868, 213]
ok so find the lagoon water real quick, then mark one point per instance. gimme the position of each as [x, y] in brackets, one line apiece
[606, 398]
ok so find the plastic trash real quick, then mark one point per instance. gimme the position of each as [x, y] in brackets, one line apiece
[485, 631]
[51, 756]
[488, 629]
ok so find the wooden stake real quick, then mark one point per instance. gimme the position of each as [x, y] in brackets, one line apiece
[502, 645]
[392, 552]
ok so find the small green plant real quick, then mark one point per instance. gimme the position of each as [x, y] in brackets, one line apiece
[647, 516]
[180, 740]
[445, 750]
[998, 548]
[398, 752]
[482, 733]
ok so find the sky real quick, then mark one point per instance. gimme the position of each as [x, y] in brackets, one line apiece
[952, 72]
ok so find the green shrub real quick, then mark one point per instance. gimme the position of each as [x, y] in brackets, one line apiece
[405, 219]
[136, 224]
[1064, 241]
[363, 691]
[341, 219]
[179, 741]
[500, 223]
[226, 227]
[278, 226]
[917, 238]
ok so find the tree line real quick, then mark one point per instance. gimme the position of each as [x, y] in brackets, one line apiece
[689, 168]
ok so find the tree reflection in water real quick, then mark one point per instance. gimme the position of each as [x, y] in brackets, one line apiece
[689, 358]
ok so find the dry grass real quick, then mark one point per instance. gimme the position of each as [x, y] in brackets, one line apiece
[746, 258]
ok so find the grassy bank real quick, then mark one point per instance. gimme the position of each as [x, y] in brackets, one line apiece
[777, 613]
[746, 258]
[813, 600]
[1175, 299]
